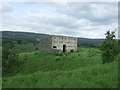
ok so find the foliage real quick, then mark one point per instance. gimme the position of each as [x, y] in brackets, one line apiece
[9, 60]
[109, 47]
[19, 41]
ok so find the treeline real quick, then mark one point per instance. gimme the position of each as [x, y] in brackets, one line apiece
[87, 45]
[20, 41]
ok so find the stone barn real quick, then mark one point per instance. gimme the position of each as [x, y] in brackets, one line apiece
[58, 44]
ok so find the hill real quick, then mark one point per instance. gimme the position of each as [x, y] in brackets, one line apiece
[81, 69]
[23, 36]
[27, 37]
[85, 42]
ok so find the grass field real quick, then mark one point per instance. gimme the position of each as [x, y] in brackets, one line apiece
[81, 69]
[20, 48]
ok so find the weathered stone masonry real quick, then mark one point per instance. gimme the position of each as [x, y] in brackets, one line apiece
[58, 44]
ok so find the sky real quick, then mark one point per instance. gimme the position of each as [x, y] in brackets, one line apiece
[79, 19]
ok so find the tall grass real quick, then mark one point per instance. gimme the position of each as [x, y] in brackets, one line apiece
[81, 69]
[39, 61]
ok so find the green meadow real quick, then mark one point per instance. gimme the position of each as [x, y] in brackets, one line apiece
[80, 69]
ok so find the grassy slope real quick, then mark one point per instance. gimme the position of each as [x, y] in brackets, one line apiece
[37, 61]
[81, 69]
[25, 48]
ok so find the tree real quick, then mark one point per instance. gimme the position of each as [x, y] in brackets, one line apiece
[9, 60]
[109, 47]
[19, 41]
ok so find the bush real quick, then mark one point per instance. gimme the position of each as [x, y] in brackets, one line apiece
[9, 60]
[109, 47]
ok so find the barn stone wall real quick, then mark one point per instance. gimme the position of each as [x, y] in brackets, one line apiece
[70, 42]
[54, 44]
[46, 44]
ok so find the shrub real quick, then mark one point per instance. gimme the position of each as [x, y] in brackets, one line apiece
[109, 47]
[9, 60]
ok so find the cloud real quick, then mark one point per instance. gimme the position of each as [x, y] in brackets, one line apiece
[89, 20]
[95, 12]
[6, 8]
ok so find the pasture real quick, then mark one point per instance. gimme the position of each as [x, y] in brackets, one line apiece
[80, 69]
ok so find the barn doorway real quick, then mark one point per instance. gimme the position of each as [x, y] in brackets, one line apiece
[64, 48]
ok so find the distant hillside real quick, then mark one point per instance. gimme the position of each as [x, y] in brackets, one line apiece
[24, 36]
[85, 42]
[32, 38]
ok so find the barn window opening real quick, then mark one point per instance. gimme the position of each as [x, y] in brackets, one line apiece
[54, 47]
[71, 50]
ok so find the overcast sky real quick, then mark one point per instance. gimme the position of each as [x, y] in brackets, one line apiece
[81, 19]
